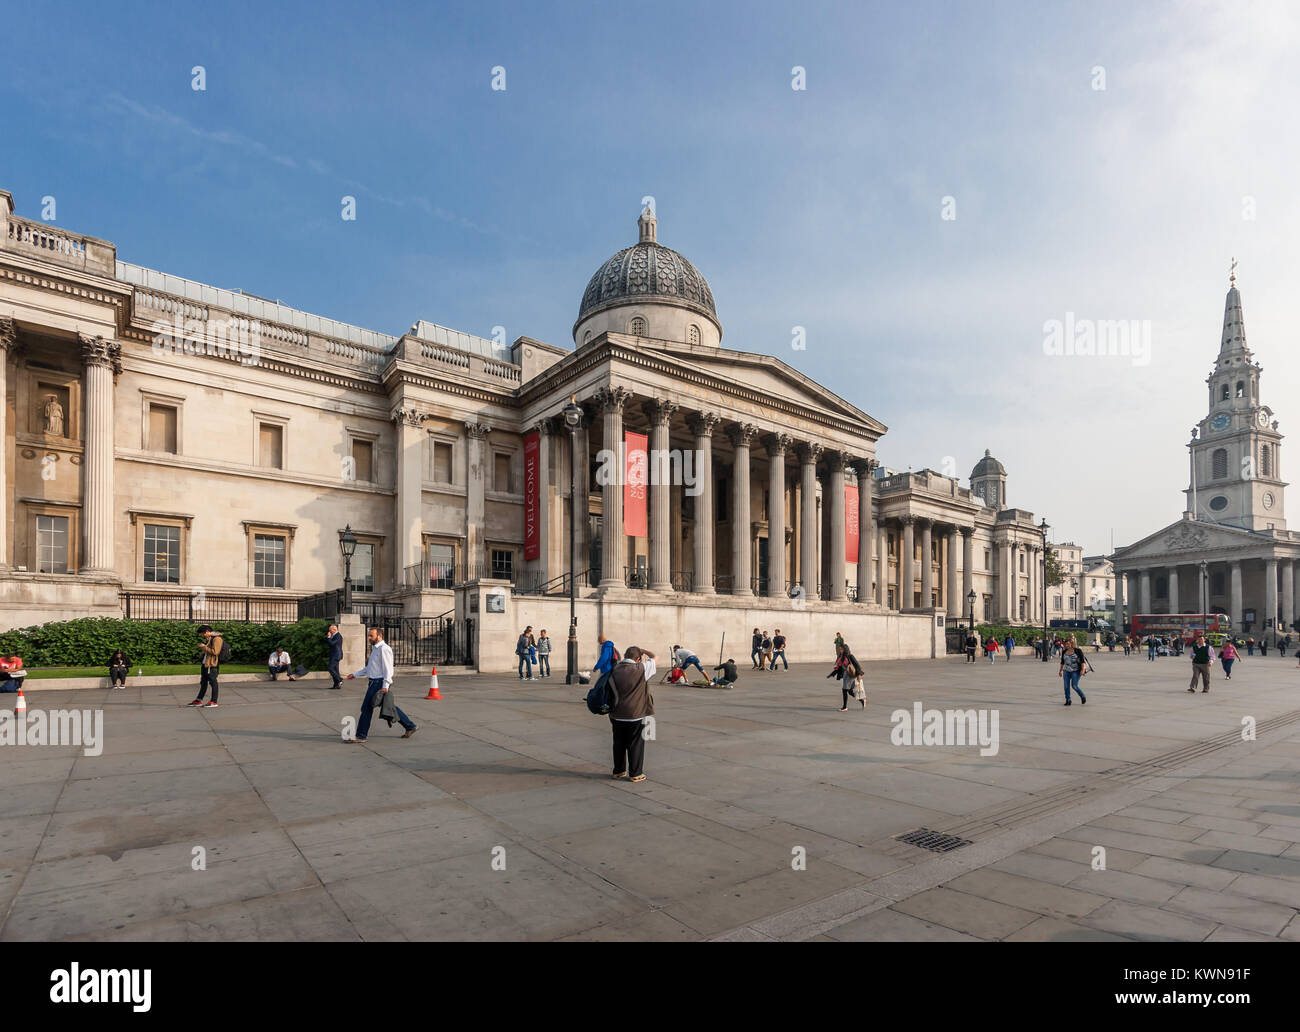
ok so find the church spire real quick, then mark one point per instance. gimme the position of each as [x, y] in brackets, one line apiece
[1234, 324]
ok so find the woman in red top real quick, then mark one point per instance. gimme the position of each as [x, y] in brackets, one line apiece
[991, 649]
[1228, 653]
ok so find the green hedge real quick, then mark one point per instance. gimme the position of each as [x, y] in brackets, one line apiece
[1026, 635]
[89, 642]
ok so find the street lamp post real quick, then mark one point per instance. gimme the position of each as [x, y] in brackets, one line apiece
[572, 419]
[348, 546]
[1044, 528]
[970, 623]
[1205, 599]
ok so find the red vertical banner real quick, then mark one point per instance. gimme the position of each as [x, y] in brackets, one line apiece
[636, 470]
[532, 504]
[850, 523]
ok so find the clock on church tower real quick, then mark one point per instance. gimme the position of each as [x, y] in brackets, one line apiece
[1235, 476]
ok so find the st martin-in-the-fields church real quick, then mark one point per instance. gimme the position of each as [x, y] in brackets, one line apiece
[1231, 552]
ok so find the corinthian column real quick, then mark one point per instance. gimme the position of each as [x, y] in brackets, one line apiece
[8, 343]
[702, 424]
[866, 527]
[777, 445]
[838, 565]
[967, 568]
[410, 474]
[102, 359]
[475, 508]
[741, 562]
[906, 575]
[660, 414]
[952, 601]
[927, 563]
[808, 454]
[613, 548]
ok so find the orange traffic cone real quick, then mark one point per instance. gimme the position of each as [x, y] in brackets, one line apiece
[433, 685]
[20, 706]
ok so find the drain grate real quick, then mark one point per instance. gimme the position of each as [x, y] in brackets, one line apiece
[934, 841]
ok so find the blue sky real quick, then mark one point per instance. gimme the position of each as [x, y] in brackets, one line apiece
[818, 208]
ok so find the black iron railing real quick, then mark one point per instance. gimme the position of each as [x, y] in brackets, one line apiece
[327, 605]
[429, 640]
[636, 576]
[555, 586]
[426, 575]
[683, 580]
[204, 607]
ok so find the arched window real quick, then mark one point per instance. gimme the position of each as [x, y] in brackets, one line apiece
[692, 334]
[1219, 463]
[637, 329]
[586, 337]
[1241, 389]
[1226, 392]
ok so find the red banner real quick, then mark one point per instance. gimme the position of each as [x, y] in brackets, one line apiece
[532, 507]
[636, 468]
[850, 523]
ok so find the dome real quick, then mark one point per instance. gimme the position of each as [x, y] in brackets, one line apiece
[647, 272]
[988, 466]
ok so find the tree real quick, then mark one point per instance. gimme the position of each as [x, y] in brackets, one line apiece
[1054, 573]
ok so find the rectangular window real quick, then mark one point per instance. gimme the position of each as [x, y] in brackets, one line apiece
[503, 564]
[442, 563]
[441, 463]
[501, 475]
[270, 445]
[1056, 603]
[988, 607]
[268, 561]
[363, 461]
[988, 559]
[1022, 562]
[363, 568]
[162, 428]
[1023, 606]
[51, 544]
[162, 554]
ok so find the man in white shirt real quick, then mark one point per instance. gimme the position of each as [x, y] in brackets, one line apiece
[379, 671]
[278, 663]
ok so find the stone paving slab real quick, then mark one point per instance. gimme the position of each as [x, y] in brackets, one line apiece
[767, 816]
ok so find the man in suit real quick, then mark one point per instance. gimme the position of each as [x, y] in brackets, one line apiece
[335, 641]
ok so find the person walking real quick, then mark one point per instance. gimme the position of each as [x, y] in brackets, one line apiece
[521, 650]
[627, 719]
[210, 665]
[756, 650]
[1263, 645]
[767, 650]
[778, 649]
[851, 686]
[1151, 648]
[1202, 660]
[972, 643]
[118, 665]
[544, 655]
[839, 643]
[1228, 653]
[1250, 645]
[378, 672]
[991, 649]
[1009, 645]
[335, 641]
[1071, 670]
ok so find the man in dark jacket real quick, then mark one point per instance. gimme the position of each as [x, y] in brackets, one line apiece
[521, 650]
[756, 650]
[627, 719]
[729, 673]
[335, 641]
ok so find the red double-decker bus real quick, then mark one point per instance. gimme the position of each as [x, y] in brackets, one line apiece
[1185, 625]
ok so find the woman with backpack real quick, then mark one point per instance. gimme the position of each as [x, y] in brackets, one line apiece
[850, 678]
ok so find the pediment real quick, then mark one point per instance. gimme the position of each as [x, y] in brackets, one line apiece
[766, 375]
[1186, 539]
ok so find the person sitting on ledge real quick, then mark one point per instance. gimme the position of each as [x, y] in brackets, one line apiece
[278, 663]
[118, 665]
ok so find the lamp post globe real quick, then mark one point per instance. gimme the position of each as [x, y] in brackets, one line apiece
[348, 546]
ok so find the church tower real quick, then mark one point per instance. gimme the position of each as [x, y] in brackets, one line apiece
[1234, 449]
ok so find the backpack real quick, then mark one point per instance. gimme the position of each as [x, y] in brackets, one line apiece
[224, 655]
[617, 657]
[602, 697]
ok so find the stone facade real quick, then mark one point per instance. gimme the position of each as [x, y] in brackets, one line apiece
[163, 437]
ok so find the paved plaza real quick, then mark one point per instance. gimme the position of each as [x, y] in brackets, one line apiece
[767, 814]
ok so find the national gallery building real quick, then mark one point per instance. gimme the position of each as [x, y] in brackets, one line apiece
[174, 449]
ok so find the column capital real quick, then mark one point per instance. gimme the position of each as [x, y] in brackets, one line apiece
[741, 434]
[906, 519]
[778, 444]
[967, 532]
[660, 411]
[546, 426]
[702, 423]
[477, 431]
[809, 451]
[612, 399]
[96, 351]
[862, 467]
[835, 460]
[408, 416]
[8, 333]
